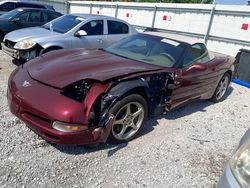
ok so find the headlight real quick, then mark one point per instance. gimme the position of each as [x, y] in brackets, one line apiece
[68, 127]
[240, 165]
[24, 45]
[77, 90]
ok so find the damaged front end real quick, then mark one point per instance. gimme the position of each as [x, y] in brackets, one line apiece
[77, 90]
[28, 54]
[88, 93]
[23, 50]
[98, 98]
[156, 88]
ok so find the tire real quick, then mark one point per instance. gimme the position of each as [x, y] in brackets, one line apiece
[221, 88]
[126, 123]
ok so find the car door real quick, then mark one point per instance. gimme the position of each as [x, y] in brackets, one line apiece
[116, 31]
[20, 21]
[196, 77]
[29, 19]
[95, 37]
[34, 19]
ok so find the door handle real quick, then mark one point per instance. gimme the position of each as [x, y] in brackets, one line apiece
[100, 41]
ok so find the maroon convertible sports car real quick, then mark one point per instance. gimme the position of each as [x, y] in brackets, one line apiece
[90, 96]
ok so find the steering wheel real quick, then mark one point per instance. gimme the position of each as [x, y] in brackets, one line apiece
[168, 56]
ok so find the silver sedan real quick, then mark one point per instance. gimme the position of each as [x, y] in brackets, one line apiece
[69, 31]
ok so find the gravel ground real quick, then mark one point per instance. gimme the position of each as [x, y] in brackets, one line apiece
[168, 153]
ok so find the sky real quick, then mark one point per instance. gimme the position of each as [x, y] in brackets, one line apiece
[231, 2]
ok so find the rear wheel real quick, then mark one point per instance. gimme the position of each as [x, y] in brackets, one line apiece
[221, 89]
[130, 114]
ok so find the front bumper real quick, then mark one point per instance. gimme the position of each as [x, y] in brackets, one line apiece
[86, 137]
[38, 106]
[228, 180]
[11, 52]
[23, 55]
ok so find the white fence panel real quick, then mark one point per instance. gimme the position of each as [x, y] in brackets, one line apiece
[225, 29]
[183, 17]
[84, 9]
[230, 25]
[229, 47]
[104, 10]
[136, 16]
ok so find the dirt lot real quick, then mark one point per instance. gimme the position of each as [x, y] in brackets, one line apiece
[168, 153]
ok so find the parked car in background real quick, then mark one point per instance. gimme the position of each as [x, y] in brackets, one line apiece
[6, 6]
[237, 171]
[69, 31]
[25, 17]
[82, 96]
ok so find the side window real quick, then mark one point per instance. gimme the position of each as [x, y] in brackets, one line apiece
[94, 27]
[198, 53]
[34, 17]
[48, 16]
[23, 18]
[7, 6]
[45, 17]
[115, 27]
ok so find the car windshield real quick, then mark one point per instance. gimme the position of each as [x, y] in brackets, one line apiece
[11, 14]
[149, 49]
[64, 23]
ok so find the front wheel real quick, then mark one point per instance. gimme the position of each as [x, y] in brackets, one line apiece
[130, 114]
[221, 89]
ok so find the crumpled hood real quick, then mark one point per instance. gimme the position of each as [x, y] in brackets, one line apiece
[33, 33]
[63, 67]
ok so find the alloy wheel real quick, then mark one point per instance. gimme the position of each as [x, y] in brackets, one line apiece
[221, 90]
[128, 120]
